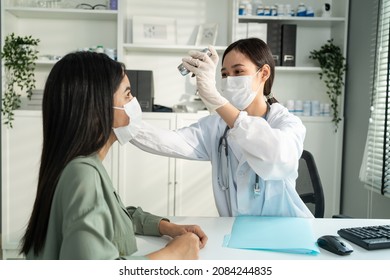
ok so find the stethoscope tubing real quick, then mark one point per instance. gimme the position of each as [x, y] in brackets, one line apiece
[223, 144]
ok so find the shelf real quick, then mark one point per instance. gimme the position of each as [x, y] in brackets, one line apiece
[69, 14]
[298, 69]
[166, 48]
[308, 21]
[186, 48]
[315, 119]
[45, 62]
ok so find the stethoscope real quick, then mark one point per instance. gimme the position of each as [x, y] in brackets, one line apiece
[223, 153]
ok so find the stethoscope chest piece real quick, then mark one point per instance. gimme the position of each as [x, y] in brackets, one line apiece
[256, 188]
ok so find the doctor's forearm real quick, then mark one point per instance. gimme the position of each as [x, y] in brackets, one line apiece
[228, 113]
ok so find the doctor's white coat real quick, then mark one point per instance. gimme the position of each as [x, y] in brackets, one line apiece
[270, 147]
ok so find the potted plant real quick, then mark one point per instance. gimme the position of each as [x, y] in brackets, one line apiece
[332, 63]
[19, 55]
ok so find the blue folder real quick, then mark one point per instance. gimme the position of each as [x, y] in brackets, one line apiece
[282, 234]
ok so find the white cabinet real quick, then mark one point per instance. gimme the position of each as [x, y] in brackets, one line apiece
[326, 147]
[194, 191]
[144, 179]
[165, 185]
[21, 152]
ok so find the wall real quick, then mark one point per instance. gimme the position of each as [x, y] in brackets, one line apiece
[356, 201]
[1, 97]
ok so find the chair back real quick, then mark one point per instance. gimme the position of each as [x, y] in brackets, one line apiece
[308, 185]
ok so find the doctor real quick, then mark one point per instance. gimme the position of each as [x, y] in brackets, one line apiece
[254, 143]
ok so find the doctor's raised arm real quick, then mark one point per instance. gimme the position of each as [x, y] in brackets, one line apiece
[253, 142]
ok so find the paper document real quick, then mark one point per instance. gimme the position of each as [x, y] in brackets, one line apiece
[283, 234]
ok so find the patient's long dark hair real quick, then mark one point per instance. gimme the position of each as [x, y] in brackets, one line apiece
[77, 121]
[259, 53]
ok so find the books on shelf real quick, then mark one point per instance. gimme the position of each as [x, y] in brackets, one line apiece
[281, 38]
[288, 50]
[274, 41]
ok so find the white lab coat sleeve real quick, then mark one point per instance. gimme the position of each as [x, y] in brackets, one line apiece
[271, 147]
[186, 143]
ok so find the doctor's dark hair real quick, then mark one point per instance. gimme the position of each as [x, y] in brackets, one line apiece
[260, 54]
[77, 121]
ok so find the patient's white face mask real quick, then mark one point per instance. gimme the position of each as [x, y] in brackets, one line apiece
[133, 110]
[238, 90]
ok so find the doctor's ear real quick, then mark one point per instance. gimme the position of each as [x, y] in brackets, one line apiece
[265, 72]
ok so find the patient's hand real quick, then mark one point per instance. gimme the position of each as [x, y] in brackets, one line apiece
[182, 247]
[173, 230]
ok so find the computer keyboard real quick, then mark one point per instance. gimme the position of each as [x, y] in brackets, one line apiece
[369, 237]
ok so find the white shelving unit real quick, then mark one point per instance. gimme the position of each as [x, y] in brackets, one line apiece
[68, 14]
[165, 49]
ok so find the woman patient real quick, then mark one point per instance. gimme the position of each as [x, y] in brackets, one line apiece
[77, 213]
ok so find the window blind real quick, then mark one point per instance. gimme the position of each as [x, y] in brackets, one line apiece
[375, 168]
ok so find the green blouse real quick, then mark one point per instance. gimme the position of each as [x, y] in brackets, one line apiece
[89, 221]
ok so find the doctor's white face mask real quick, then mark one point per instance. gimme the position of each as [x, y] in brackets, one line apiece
[133, 110]
[238, 90]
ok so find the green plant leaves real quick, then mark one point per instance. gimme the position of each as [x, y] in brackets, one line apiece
[333, 67]
[19, 55]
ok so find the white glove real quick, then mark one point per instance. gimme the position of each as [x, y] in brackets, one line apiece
[204, 68]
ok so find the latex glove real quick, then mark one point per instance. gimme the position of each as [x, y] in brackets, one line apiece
[204, 68]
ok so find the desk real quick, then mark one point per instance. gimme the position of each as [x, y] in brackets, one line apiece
[217, 227]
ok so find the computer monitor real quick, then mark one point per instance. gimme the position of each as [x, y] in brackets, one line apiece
[142, 87]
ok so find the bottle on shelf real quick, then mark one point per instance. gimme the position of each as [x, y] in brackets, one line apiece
[280, 10]
[309, 12]
[241, 9]
[245, 8]
[113, 4]
[257, 7]
[267, 10]
[301, 10]
[249, 8]
[99, 49]
[308, 108]
[289, 12]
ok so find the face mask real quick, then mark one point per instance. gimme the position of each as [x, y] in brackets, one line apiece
[238, 90]
[133, 110]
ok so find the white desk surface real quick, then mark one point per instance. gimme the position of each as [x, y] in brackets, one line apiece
[217, 227]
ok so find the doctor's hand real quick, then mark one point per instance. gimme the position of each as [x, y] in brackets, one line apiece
[174, 230]
[204, 68]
